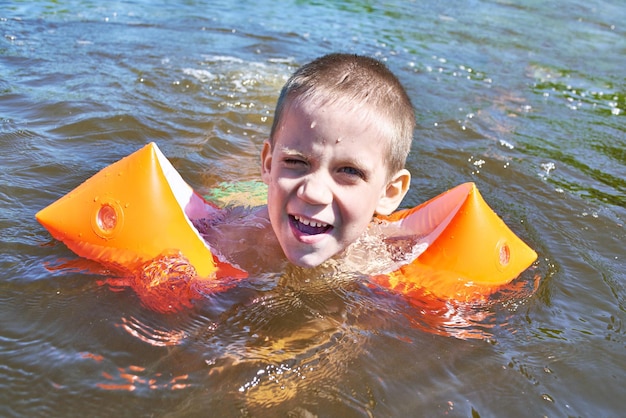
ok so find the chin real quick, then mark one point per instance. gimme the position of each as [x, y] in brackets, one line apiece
[308, 260]
[306, 263]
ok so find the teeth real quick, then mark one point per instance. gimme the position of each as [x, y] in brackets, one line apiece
[310, 223]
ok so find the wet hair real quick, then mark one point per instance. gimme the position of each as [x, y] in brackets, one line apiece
[357, 82]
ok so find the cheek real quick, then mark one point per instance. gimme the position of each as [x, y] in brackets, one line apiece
[283, 186]
[362, 201]
[275, 184]
[277, 194]
[358, 212]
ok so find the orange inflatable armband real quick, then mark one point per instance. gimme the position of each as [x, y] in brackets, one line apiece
[468, 251]
[132, 212]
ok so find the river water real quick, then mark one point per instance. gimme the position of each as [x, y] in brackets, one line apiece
[525, 98]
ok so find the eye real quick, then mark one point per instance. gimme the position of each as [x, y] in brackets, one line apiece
[353, 172]
[294, 162]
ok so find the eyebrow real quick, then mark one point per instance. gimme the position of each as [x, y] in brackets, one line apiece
[356, 162]
[290, 151]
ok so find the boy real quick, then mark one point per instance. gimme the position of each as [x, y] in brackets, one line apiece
[342, 130]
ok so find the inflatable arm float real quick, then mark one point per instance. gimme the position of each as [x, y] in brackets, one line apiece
[132, 212]
[468, 251]
[140, 208]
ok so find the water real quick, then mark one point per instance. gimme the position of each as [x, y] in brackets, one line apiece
[525, 98]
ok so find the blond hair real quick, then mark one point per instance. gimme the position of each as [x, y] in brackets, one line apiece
[357, 81]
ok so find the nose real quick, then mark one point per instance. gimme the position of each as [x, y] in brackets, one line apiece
[315, 190]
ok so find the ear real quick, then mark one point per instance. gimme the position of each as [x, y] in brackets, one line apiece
[266, 162]
[394, 192]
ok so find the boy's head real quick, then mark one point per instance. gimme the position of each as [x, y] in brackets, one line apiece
[342, 130]
[360, 83]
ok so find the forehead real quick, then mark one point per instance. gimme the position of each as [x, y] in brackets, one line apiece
[337, 121]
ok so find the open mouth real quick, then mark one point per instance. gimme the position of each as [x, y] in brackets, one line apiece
[309, 227]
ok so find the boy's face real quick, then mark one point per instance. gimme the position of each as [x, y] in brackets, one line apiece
[327, 175]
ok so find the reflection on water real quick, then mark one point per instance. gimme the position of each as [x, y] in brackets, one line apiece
[525, 99]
